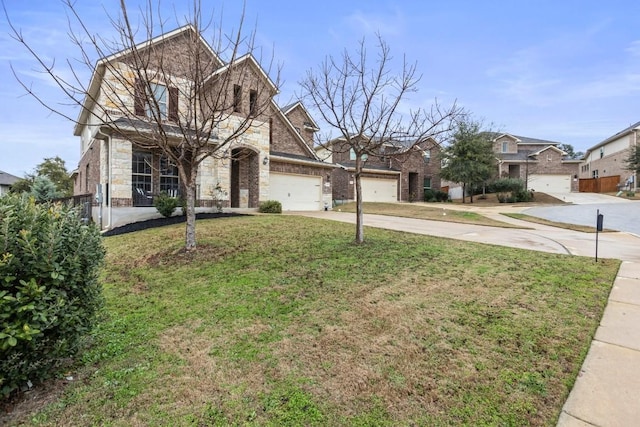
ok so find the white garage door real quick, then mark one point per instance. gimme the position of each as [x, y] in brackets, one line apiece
[379, 190]
[296, 192]
[550, 183]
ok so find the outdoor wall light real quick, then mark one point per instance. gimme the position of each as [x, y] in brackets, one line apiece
[265, 160]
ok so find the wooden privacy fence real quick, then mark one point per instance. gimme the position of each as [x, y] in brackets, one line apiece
[606, 184]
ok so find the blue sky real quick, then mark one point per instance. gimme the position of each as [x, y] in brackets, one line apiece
[563, 70]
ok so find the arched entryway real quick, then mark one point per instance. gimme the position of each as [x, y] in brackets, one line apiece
[245, 178]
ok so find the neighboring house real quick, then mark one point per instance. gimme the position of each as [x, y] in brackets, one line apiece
[6, 181]
[385, 178]
[273, 160]
[540, 163]
[606, 161]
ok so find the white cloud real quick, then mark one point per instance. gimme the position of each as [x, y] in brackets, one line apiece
[390, 25]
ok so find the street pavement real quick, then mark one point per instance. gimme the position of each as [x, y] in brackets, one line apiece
[608, 385]
[618, 213]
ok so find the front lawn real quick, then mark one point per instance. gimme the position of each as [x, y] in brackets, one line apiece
[281, 320]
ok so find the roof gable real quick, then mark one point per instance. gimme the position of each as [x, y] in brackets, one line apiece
[549, 147]
[251, 61]
[288, 109]
[101, 65]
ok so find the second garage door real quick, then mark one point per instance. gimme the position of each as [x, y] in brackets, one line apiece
[296, 192]
[379, 190]
[550, 183]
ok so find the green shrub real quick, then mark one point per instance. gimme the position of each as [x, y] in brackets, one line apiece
[435, 195]
[510, 190]
[49, 289]
[270, 206]
[165, 204]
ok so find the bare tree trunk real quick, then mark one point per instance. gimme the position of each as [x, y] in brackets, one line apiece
[464, 190]
[190, 231]
[359, 211]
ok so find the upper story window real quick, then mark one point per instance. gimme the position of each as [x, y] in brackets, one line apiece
[505, 146]
[352, 155]
[160, 97]
[253, 102]
[237, 98]
[601, 152]
[426, 154]
[156, 101]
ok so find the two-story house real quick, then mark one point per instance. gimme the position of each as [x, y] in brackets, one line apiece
[386, 176]
[272, 160]
[540, 163]
[606, 161]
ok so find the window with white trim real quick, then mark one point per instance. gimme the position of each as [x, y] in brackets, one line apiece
[160, 95]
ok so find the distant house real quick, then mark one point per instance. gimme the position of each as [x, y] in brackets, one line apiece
[6, 181]
[273, 160]
[387, 176]
[540, 163]
[606, 161]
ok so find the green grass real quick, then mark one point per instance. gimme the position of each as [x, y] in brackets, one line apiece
[281, 320]
[439, 213]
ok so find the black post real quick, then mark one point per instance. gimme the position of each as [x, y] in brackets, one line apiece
[599, 221]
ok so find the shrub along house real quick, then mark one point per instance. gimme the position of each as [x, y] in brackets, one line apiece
[273, 159]
[386, 177]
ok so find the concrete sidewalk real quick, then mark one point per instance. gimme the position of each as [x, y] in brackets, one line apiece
[607, 390]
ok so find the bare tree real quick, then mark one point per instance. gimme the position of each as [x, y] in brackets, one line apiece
[362, 103]
[178, 96]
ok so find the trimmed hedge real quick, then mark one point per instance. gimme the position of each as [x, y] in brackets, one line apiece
[49, 288]
[270, 206]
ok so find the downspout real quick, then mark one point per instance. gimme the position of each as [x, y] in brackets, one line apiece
[107, 138]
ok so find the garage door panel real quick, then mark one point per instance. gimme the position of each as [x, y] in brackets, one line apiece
[550, 183]
[296, 192]
[379, 190]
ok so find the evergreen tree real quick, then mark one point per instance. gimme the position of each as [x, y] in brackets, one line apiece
[469, 159]
[43, 189]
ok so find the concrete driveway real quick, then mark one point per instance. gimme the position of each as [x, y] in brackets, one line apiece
[619, 214]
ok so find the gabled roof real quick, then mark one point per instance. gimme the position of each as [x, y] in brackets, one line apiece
[405, 144]
[99, 70]
[7, 178]
[293, 129]
[623, 132]
[549, 147]
[525, 140]
[252, 61]
[311, 123]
